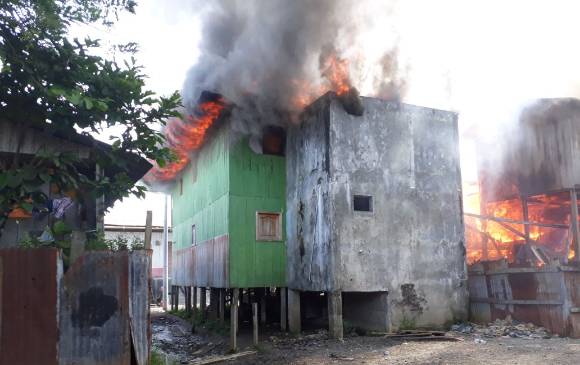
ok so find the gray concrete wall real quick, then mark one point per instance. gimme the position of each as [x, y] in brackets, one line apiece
[411, 245]
[308, 224]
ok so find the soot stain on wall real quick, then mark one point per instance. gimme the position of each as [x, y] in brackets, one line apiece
[411, 300]
[94, 309]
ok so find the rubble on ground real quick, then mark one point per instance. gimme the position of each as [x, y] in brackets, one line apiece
[503, 328]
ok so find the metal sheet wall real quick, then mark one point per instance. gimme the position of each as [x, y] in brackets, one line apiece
[94, 313]
[28, 306]
[547, 296]
[203, 265]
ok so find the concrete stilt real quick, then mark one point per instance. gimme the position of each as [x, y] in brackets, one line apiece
[222, 305]
[255, 322]
[283, 309]
[234, 320]
[202, 300]
[294, 322]
[335, 328]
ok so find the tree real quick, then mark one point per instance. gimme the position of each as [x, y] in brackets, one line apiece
[50, 80]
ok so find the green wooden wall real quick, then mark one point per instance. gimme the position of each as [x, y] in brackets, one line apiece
[232, 184]
[204, 202]
[257, 183]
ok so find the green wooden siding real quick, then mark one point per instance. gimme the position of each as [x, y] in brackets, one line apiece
[257, 183]
[232, 184]
[204, 201]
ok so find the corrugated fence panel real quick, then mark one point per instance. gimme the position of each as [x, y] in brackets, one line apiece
[139, 274]
[94, 316]
[28, 306]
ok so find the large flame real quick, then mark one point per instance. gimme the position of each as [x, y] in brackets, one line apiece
[492, 240]
[336, 74]
[185, 136]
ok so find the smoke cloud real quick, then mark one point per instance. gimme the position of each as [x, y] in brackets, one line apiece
[268, 57]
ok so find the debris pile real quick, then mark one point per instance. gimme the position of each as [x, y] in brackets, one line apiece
[503, 328]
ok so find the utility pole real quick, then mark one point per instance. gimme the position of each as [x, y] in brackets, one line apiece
[165, 256]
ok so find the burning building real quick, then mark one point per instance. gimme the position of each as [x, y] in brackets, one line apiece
[522, 223]
[228, 203]
[374, 218]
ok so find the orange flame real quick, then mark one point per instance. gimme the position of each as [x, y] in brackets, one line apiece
[185, 136]
[335, 70]
[491, 240]
[336, 73]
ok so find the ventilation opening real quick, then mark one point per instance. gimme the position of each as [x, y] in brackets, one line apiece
[274, 141]
[363, 203]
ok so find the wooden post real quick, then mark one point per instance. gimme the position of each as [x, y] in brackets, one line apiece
[234, 320]
[222, 306]
[283, 309]
[188, 299]
[526, 217]
[148, 229]
[574, 224]
[194, 300]
[202, 301]
[263, 308]
[255, 322]
[99, 203]
[335, 328]
[214, 297]
[294, 320]
[77, 247]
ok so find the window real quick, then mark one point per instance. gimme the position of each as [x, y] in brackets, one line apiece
[273, 141]
[181, 186]
[363, 203]
[193, 235]
[268, 226]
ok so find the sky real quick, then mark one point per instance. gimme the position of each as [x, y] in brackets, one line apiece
[482, 59]
[167, 39]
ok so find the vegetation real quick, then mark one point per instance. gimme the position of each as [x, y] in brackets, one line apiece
[60, 84]
[199, 320]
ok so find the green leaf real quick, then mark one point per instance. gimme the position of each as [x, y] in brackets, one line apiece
[88, 103]
[60, 228]
[26, 206]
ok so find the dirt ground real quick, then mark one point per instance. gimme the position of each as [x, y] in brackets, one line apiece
[172, 336]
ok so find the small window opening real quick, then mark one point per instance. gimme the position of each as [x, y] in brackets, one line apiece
[181, 186]
[273, 141]
[363, 203]
[193, 235]
[268, 226]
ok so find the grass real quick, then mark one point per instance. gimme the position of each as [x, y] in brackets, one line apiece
[159, 359]
[198, 321]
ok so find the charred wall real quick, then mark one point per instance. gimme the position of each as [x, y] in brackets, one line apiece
[541, 156]
[410, 243]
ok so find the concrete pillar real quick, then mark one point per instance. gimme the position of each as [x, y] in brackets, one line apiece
[222, 305]
[234, 320]
[202, 301]
[294, 321]
[255, 322]
[334, 300]
[283, 309]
